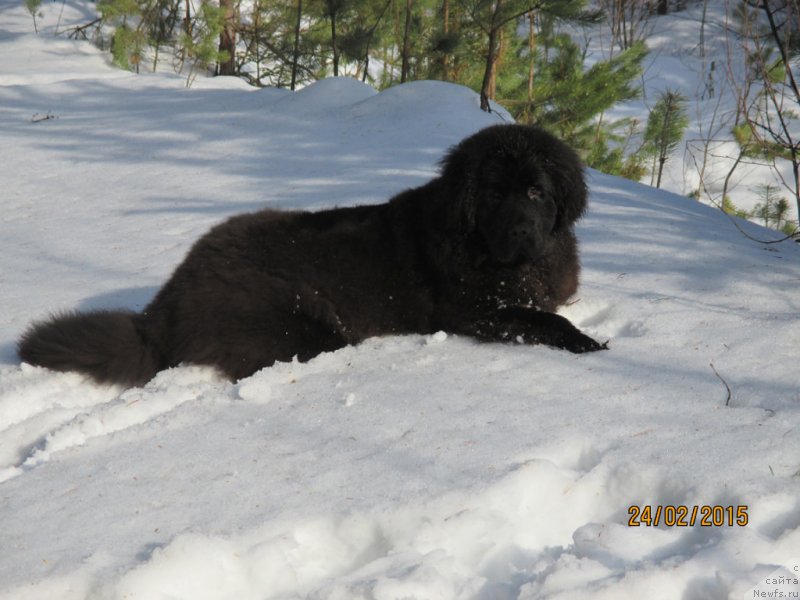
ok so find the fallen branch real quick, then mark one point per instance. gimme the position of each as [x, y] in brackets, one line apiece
[725, 383]
[36, 118]
[80, 30]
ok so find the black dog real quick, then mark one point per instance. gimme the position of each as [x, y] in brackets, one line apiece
[485, 250]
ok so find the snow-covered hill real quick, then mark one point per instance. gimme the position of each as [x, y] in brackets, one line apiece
[408, 467]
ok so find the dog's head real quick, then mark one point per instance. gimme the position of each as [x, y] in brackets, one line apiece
[516, 187]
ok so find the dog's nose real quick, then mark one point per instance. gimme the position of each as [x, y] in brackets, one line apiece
[522, 231]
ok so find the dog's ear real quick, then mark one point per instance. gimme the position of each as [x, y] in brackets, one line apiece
[565, 171]
[569, 190]
[459, 177]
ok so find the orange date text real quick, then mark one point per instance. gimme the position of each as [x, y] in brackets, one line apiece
[671, 515]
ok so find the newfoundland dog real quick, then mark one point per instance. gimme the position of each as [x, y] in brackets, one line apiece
[485, 250]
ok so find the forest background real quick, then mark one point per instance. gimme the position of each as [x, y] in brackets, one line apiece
[566, 65]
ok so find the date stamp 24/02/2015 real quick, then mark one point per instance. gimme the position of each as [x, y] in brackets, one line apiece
[670, 515]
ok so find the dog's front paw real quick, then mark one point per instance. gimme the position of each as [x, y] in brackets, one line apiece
[580, 343]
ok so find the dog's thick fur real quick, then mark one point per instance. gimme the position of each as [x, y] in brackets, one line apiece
[484, 250]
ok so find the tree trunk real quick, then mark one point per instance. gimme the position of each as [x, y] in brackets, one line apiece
[491, 59]
[532, 52]
[405, 67]
[296, 49]
[227, 38]
[487, 73]
[187, 28]
[703, 31]
[333, 45]
[501, 43]
[446, 30]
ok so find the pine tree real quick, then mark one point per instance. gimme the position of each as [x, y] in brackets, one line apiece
[129, 38]
[571, 100]
[665, 126]
[201, 47]
[770, 90]
[365, 30]
[33, 8]
[497, 20]
[773, 210]
[356, 31]
[729, 207]
[281, 45]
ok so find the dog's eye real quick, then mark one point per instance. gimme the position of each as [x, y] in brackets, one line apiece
[534, 193]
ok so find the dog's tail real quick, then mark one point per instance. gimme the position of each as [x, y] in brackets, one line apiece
[106, 345]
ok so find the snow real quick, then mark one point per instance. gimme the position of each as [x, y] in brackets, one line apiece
[407, 467]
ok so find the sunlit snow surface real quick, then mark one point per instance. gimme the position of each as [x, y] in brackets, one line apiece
[423, 467]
